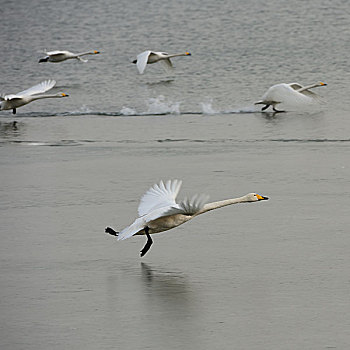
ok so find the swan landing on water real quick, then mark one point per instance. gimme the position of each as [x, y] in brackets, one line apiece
[158, 210]
[293, 93]
[59, 56]
[149, 57]
[24, 97]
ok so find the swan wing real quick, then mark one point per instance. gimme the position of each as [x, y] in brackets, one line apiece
[192, 206]
[283, 93]
[38, 89]
[12, 97]
[57, 53]
[159, 196]
[168, 66]
[310, 94]
[142, 59]
[295, 86]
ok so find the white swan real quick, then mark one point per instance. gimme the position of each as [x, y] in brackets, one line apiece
[24, 97]
[158, 210]
[288, 93]
[59, 56]
[149, 57]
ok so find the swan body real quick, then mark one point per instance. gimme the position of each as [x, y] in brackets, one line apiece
[292, 93]
[149, 57]
[59, 56]
[24, 97]
[158, 210]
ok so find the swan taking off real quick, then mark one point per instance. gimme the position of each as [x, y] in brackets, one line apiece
[24, 97]
[293, 93]
[149, 57]
[158, 210]
[59, 56]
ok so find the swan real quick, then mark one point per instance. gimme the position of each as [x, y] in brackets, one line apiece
[288, 93]
[59, 56]
[24, 97]
[158, 210]
[149, 57]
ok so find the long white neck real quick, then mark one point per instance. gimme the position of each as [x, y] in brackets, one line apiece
[85, 53]
[177, 54]
[39, 97]
[220, 204]
[308, 87]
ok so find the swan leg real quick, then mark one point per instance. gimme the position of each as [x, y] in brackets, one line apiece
[111, 231]
[148, 244]
[265, 107]
[276, 110]
[14, 111]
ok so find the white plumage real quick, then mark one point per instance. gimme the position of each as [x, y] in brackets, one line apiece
[159, 211]
[24, 97]
[60, 56]
[291, 94]
[149, 57]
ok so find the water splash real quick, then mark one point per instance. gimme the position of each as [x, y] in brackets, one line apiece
[160, 106]
[207, 108]
[128, 111]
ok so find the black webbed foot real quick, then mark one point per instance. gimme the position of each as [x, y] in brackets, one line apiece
[14, 111]
[111, 231]
[265, 107]
[148, 244]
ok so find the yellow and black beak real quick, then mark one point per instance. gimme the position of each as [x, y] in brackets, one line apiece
[64, 95]
[323, 84]
[261, 198]
[188, 53]
[96, 52]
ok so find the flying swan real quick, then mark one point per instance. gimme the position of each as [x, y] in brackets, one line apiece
[59, 56]
[158, 210]
[24, 97]
[288, 93]
[149, 57]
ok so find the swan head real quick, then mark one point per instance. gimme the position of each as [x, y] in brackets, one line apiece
[62, 94]
[45, 59]
[188, 53]
[254, 197]
[96, 52]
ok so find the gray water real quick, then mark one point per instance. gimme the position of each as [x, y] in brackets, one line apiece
[270, 275]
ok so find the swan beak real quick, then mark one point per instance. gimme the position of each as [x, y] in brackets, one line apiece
[96, 52]
[261, 198]
[323, 84]
[64, 95]
[188, 53]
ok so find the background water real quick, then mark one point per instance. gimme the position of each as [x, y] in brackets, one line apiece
[271, 275]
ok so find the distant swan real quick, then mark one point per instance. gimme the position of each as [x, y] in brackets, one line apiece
[59, 56]
[24, 97]
[149, 57]
[158, 210]
[288, 93]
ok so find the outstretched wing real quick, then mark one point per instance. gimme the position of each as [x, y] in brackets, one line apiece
[168, 66]
[189, 206]
[159, 196]
[284, 93]
[38, 89]
[142, 59]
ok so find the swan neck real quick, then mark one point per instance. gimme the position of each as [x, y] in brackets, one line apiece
[39, 97]
[220, 204]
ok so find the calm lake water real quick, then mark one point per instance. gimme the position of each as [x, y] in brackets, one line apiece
[271, 275]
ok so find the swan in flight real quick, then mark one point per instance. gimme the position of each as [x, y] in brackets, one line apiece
[288, 93]
[59, 56]
[24, 97]
[158, 210]
[149, 57]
